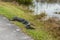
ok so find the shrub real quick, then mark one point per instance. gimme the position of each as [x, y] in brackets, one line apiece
[25, 2]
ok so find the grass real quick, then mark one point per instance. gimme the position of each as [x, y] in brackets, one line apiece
[40, 16]
[53, 27]
[9, 10]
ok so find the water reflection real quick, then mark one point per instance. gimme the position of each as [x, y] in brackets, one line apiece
[48, 8]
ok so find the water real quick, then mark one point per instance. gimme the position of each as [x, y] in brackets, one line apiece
[48, 8]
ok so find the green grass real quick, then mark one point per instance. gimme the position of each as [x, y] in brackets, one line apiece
[9, 10]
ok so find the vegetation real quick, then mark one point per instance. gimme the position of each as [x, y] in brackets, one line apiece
[57, 12]
[10, 10]
[40, 16]
[52, 25]
[47, 30]
[25, 2]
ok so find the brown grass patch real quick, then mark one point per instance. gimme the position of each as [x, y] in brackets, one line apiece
[40, 16]
[52, 25]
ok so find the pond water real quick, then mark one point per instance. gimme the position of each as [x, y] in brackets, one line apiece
[48, 8]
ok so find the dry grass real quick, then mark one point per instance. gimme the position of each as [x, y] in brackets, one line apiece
[40, 16]
[52, 25]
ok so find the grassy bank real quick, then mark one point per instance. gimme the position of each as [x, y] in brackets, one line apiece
[9, 10]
